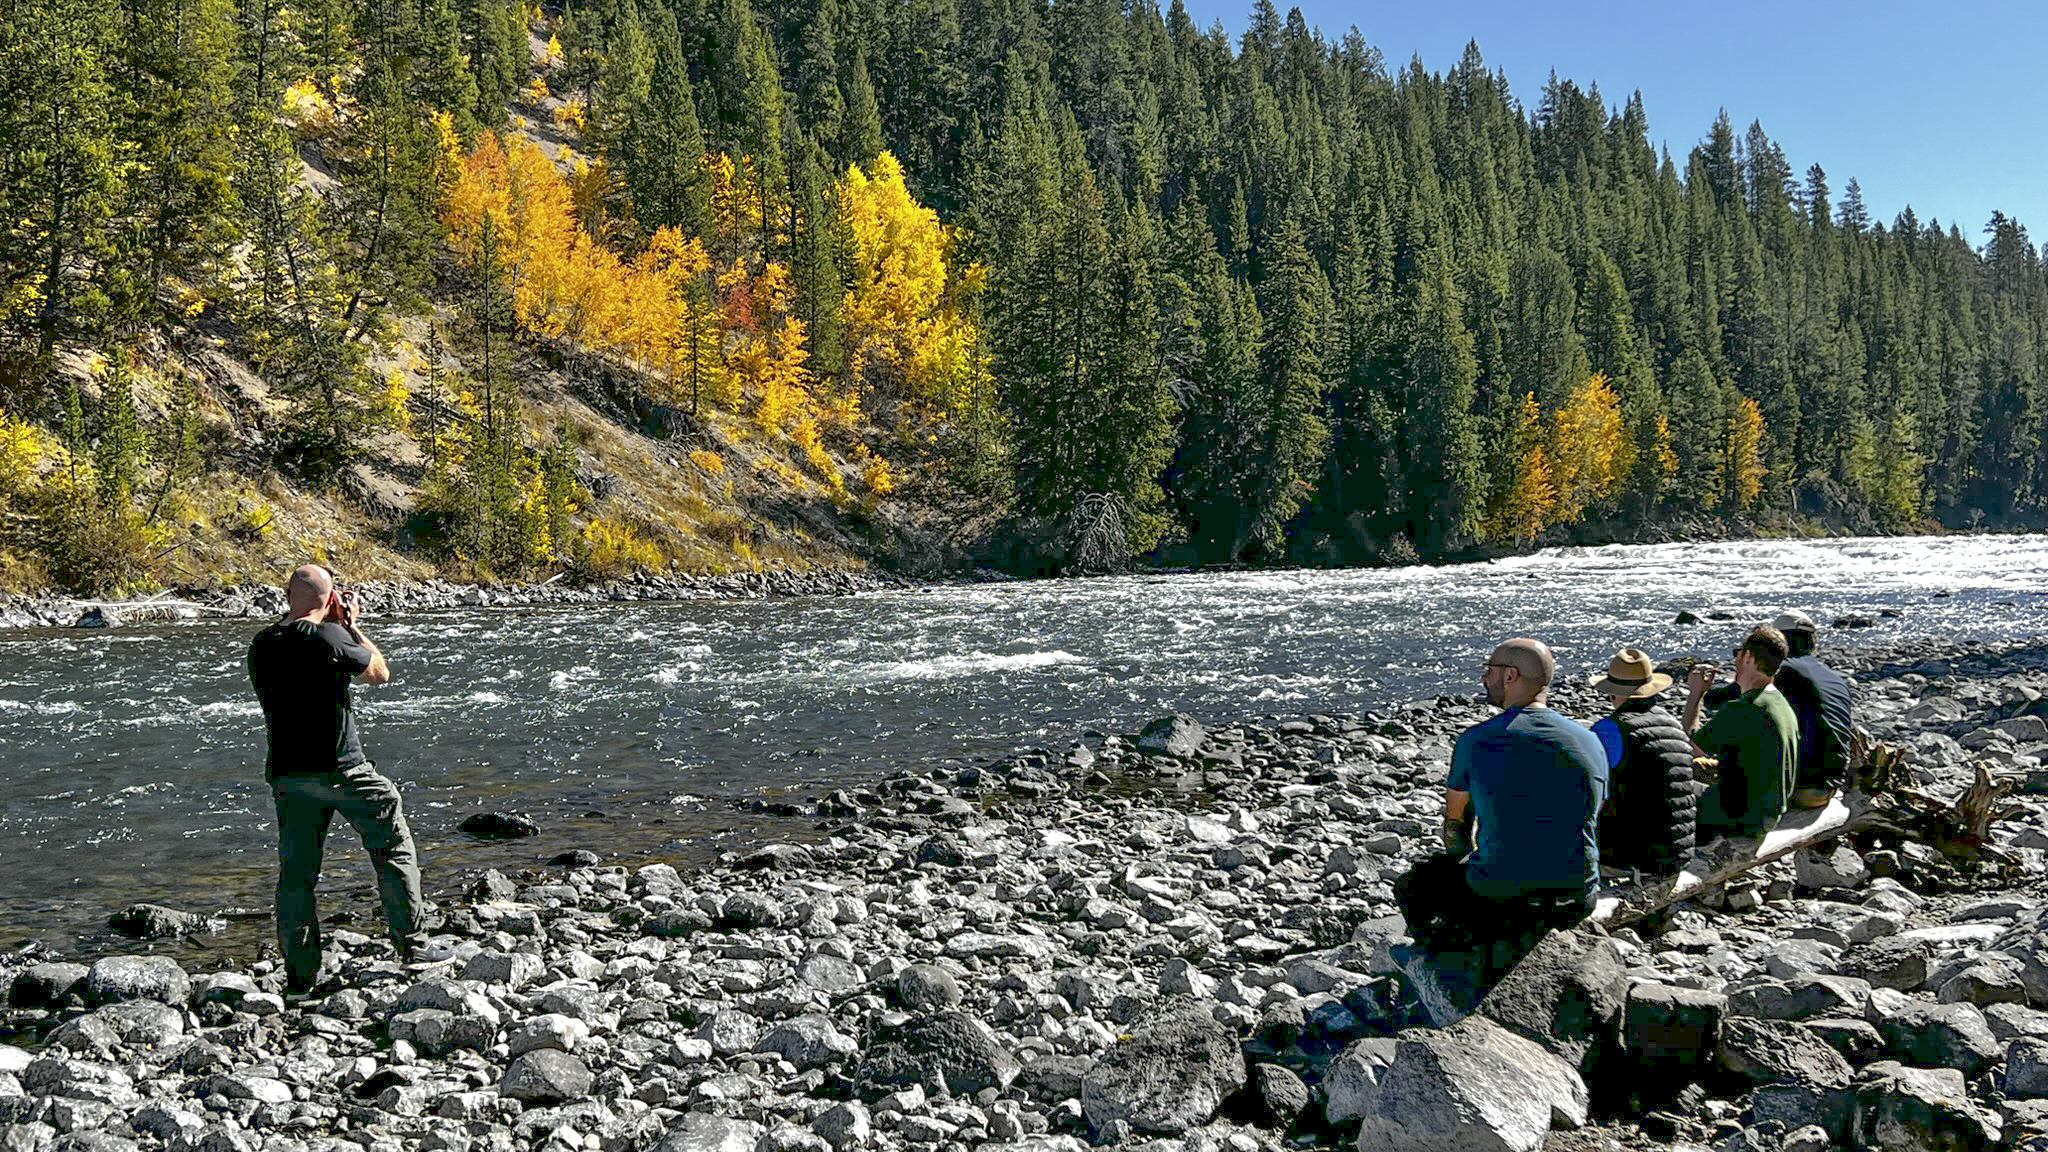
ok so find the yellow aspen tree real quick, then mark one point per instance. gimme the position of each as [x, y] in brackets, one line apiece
[1746, 469]
[910, 337]
[481, 188]
[1588, 448]
[1529, 503]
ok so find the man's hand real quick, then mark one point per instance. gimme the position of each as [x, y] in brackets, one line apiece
[1457, 839]
[1701, 678]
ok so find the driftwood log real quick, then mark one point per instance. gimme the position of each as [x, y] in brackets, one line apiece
[1885, 797]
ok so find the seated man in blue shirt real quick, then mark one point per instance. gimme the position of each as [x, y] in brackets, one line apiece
[1533, 782]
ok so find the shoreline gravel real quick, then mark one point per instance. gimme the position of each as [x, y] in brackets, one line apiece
[1176, 939]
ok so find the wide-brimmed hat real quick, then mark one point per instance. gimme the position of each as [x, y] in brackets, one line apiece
[1632, 674]
[1793, 620]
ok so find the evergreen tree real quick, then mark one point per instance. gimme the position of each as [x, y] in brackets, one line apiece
[60, 180]
[662, 145]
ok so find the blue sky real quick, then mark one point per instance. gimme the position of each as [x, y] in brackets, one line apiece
[1941, 105]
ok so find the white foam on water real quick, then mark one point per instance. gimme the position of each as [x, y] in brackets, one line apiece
[38, 707]
[967, 664]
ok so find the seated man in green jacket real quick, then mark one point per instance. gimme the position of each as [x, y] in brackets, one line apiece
[1754, 736]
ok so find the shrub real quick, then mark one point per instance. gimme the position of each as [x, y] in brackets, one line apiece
[90, 545]
[610, 549]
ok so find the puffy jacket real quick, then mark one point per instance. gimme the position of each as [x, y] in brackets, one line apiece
[1648, 823]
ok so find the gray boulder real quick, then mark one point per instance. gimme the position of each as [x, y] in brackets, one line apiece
[1939, 1036]
[951, 1045]
[831, 975]
[1172, 1074]
[447, 996]
[845, 1125]
[1181, 736]
[808, 1041]
[1473, 1087]
[546, 1076]
[435, 1032]
[1780, 1052]
[156, 922]
[2026, 1067]
[130, 1023]
[1839, 867]
[927, 988]
[705, 1132]
[1352, 1079]
[137, 978]
[46, 985]
[730, 1032]
[1673, 1033]
[514, 970]
[1051, 1079]
[1797, 1078]
[1281, 1095]
[1803, 996]
[2011, 1021]
[1983, 984]
[1901, 1109]
[1566, 994]
[1902, 963]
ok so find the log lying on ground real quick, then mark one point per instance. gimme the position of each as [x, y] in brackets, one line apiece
[1730, 858]
[1884, 798]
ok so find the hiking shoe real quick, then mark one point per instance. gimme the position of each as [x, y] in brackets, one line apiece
[1811, 797]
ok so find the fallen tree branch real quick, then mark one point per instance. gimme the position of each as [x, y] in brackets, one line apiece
[1886, 798]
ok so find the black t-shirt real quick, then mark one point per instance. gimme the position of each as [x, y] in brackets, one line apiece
[301, 672]
[1820, 698]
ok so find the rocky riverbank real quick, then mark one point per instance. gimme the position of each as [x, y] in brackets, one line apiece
[237, 602]
[1178, 938]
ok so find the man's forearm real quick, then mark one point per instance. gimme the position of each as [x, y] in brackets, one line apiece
[378, 671]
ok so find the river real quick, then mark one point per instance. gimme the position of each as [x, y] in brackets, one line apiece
[132, 758]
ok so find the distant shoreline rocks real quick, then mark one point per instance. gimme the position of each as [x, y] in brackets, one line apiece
[381, 598]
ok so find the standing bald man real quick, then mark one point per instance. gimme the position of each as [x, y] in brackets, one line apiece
[1533, 782]
[301, 667]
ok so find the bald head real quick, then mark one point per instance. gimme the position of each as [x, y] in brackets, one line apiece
[1519, 673]
[309, 590]
[1531, 658]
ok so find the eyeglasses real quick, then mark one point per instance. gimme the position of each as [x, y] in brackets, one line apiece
[1496, 664]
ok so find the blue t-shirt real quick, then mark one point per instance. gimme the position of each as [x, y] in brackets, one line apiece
[1537, 781]
[1608, 729]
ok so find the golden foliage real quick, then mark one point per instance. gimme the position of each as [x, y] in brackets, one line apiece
[610, 549]
[1529, 503]
[1589, 450]
[394, 404]
[573, 115]
[1746, 469]
[909, 334]
[21, 453]
[307, 110]
[717, 338]
[877, 475]
[710, 463]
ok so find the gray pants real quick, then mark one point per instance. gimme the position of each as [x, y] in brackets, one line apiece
[369, 802]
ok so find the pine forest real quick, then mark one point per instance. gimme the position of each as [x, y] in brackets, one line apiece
[602, 286]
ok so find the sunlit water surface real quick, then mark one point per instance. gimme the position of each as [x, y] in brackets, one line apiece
[132, 759]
